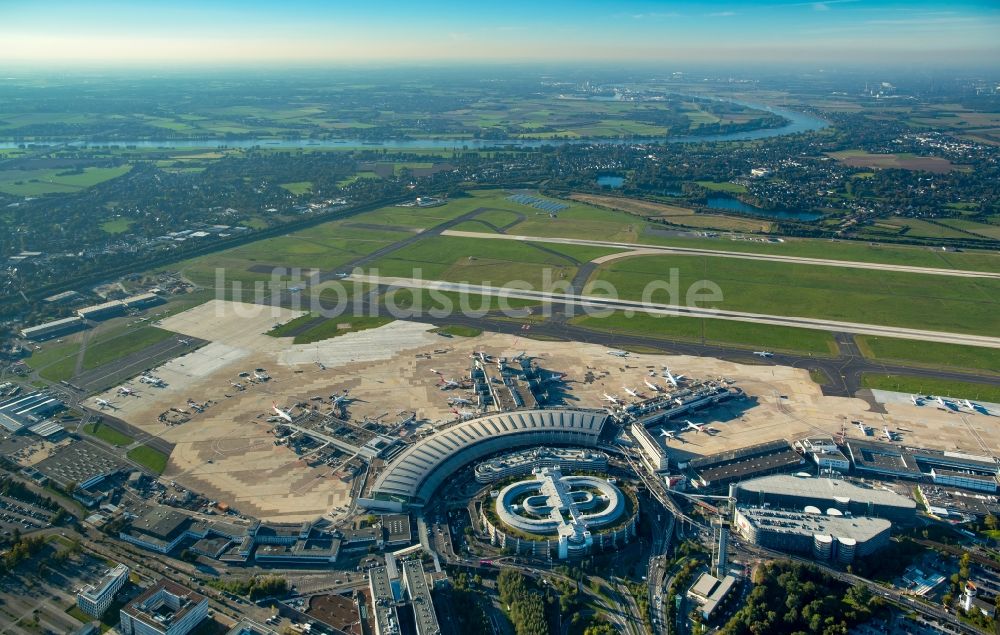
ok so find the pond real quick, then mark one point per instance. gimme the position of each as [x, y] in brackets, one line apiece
[727, 204]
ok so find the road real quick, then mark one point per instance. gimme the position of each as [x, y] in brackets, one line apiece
[718, 253]
[597, 303]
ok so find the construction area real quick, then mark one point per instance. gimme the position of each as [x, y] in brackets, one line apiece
[287, 432]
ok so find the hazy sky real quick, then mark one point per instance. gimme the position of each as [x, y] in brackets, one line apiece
[72, 32]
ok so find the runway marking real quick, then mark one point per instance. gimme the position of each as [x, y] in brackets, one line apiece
[646, 249]
[653, 308]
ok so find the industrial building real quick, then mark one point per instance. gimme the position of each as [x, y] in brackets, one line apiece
[719, 470]
[796, 492]
[711, 592]
[415, 581]
[527, 461]
[383, 602]
[94, 599]
[31, 412]
[829, 536]
[53, 328]
[653, 455]
[825, 453]
[166, 608]
[953, 468]
[112, 308]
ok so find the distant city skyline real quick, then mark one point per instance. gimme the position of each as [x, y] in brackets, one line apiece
[252, 32]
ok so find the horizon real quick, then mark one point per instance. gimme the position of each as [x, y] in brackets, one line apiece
[308, 33]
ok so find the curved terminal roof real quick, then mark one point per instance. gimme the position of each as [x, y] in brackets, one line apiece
[421, 468]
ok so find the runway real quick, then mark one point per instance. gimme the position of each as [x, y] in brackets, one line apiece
[653, 308]
[646, 249]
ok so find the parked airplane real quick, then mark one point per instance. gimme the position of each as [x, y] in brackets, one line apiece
[464, 414]
[151, 380]
[917, 401]
[697, 427]
[448, 384]
[763, 353]
[668, 434]
[281, 413]
[612, 398]
[862, 427]
[183, 341]
[889, 434]
[555, 377]
[238, 386]
[126, 391]
[632, 393]
[458, 401]
[652, 386]
[104, 403]
[339, 400]
[619, 353]
[675, 380]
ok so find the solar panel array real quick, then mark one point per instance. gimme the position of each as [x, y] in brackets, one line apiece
[538, 203]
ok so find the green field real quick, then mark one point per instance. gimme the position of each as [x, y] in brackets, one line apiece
[108, 434]
[480, 260]
[55, 181]
[149, 457]
[458, 330]
[117, 225]
[930, 354]
[121, 342]
[55, 362]
[298, 188]
[729, 188]
[965, 305]
[927, 386]
[724, 332]
[340, 326]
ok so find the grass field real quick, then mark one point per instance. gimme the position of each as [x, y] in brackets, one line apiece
[724, 332]
[55, 181]
[117, 225]
[55, 362]
[118, 344]
[478, 260]
[458, 330]
[927, 386]
[108, 434]
[340, 326]
[930, 354]
[149, 457]
[963, 305]
[675, 214]
[729, 188]
[902, 161]
[298, 188]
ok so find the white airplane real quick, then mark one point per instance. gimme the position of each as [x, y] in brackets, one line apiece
[944, 404]
[675, 380]
[238, 386]
[458, 401]
[862, 427]
[763, 353]
[183, 341]
[448, 384]
[697, 427]
[668, 434]
[631, 393]
[126, 390]
[618, 353]
[337, 400]
[652, 386]
[555, 377]
[151, 380]
[464, 414]
[104, 403]
[281, 413]
[612, 398]
[917, 401]
[889, 434]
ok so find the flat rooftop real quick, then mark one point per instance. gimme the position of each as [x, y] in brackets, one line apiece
[859, 528]
[736, 464]
[825, 488]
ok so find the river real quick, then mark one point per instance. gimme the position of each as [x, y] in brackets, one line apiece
[797, 122]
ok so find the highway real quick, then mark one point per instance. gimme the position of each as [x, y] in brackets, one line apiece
[597, 303]
[647, 249]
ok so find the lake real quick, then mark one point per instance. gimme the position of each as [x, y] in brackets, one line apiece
[726, 204]
[610, 180]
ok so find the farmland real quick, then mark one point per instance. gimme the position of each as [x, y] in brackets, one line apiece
[55, 181]
[902, 161]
